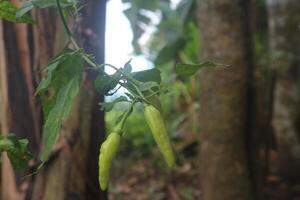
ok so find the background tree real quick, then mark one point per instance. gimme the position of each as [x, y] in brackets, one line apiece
[226, 96]
[284, 44]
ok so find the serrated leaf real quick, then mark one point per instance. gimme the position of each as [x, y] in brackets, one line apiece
[8, 12]
[148, 75]
[59, 112]
[191, 69]
[108, 106]
[70, 64]
[45, 82]
[17, 151]
[57, 91]
[105, 83]
[52, 65]
[150, 79]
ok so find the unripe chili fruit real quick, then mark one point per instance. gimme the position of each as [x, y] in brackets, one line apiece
[157, 125]
[108, 151]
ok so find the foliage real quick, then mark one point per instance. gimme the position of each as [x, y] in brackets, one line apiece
[175, 34]
[16, 150]
[191, 69]
[64, 73]
[176, 40]
[58, 91]
[30, 4]
[8, 12]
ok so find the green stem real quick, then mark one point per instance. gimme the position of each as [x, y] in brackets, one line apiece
[64, 21]
[134, 82]
[115, 68]
[121, 124]
[88, 59]
[65, 24]
[140, 93]
[152, 94]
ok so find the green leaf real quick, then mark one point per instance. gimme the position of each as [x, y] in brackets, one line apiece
[148, 85]
[28, 5]
[108, 106]
[186, 8]
[150, 79]
[191, 69]
[168, 52]
[58, 91]
[5, 144]
[105, 83]
[59, 112]
[127, 67]
[17, 151]
[59, 72]
[148, 75]
[191, 48]
[45, 82]
[52, 65]
[130, 96]
[25, 8]
[8, 12]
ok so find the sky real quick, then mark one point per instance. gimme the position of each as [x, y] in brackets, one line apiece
[118, 37]
[118, 48]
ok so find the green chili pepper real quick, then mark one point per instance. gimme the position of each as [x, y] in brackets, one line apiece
[108, 151]
[157, 125]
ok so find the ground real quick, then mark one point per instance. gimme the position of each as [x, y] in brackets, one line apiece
[147, 177]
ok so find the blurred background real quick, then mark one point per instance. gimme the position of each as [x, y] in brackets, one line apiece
[235, 130]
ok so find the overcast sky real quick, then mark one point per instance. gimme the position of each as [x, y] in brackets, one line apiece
[118, 48]
[118, 37]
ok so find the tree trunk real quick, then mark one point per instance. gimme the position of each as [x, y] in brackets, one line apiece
[18, 104]
[225, 95]
[284, 40]
[72, 171]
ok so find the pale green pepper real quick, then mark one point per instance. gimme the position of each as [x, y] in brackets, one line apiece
[108, 152]
[157, 125]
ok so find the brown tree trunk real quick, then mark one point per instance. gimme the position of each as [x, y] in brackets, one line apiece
[71, 172]
[18, 102]
[227, 107]
[284, 40]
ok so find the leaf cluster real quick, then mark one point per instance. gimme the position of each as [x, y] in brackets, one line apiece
[58, 90]
[17, 150]
[8, 11]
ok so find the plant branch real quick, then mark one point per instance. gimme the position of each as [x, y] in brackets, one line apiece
[90, 61]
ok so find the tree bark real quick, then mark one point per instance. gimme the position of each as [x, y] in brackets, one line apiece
[284, 43]
[225, 96]
[72, 171]
[18, 102]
